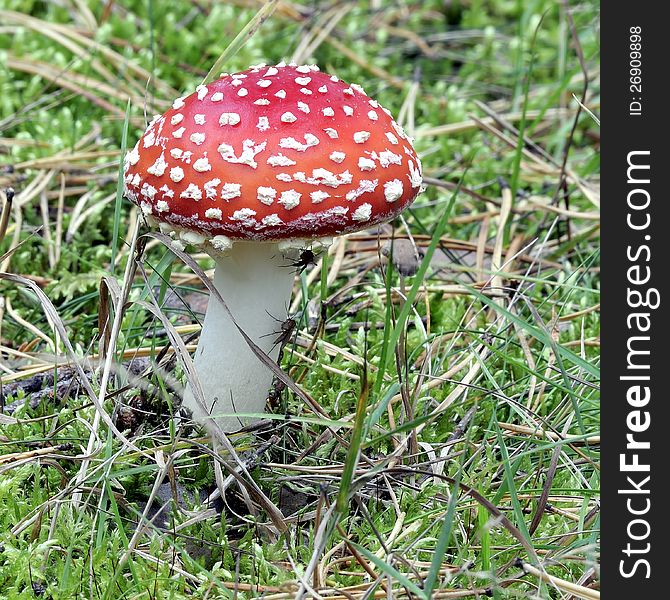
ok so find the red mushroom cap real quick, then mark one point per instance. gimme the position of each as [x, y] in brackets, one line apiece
[273, 153]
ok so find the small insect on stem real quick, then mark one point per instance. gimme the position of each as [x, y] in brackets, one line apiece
[284, 334]
[278, 386]
[286, 330]
[307, 258]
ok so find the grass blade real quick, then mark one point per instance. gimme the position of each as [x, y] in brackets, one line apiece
[241, 38]
[391, 572]
[119, 191]
[342, 505]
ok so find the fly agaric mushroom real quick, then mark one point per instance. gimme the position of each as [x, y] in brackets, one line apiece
[252, 168]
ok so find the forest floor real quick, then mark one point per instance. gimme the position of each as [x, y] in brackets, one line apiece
[455, 452]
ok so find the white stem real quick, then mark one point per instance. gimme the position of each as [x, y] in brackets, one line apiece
[255, 280]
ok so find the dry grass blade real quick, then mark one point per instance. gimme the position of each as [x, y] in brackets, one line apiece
[29, 326]
[496, 259]
[53, 315]
[164, 467]
[493, 510]
[22, 456]
[241, 38]
[60, 209]
[546, 490]
[58, 77]
[74, 40]
[455, 128]
[220, 437]
[113, 336]
[66, 162]
[264, 358]
[552, 436]
[563, 585]
[7, 420]
[319, 32]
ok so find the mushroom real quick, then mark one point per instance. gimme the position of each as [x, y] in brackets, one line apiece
[253, 168]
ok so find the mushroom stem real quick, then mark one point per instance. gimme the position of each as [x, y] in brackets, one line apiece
[255, 280]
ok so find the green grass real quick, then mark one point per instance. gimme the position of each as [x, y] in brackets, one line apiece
[502, 362]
